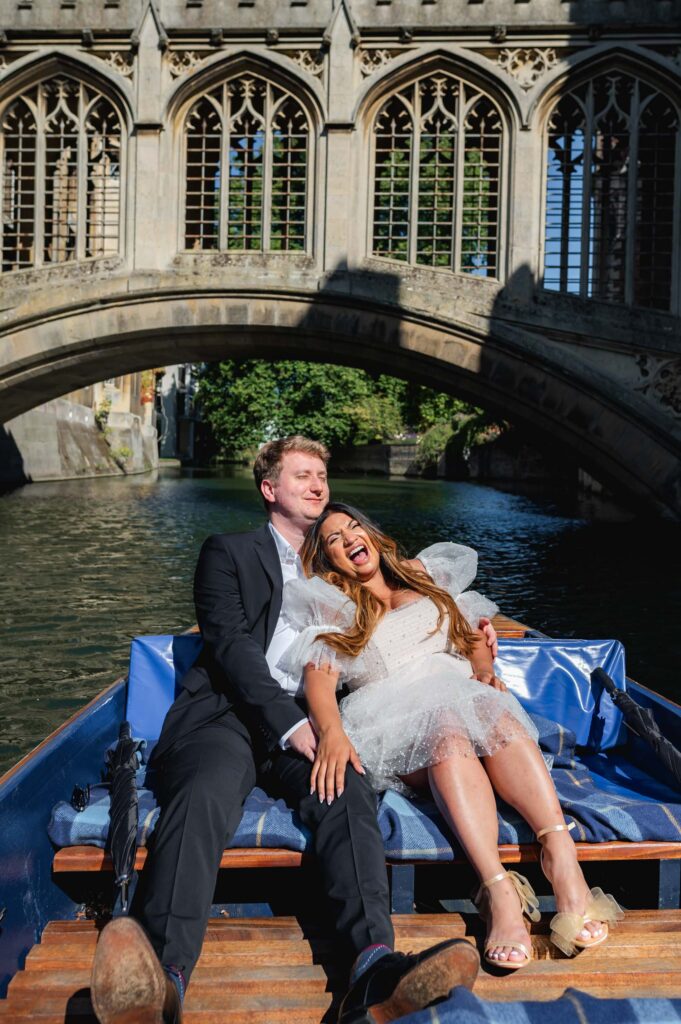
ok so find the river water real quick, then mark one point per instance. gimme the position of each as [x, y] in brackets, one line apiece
[89, 564]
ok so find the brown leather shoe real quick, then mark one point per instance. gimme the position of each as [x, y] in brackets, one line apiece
[401, 983]
[128, 984]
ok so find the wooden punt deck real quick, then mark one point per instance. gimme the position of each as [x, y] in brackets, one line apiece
[264, 971]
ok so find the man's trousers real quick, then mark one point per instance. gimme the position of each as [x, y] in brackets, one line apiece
[202, 782]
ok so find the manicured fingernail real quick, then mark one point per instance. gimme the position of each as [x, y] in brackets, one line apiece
[321, 799]
[340, 792]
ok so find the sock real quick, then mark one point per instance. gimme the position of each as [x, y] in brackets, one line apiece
[177, 978]
[366, 958]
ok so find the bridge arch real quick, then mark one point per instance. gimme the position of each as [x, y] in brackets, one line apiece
[151, 324]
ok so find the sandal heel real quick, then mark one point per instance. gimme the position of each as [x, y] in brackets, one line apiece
[566, 927]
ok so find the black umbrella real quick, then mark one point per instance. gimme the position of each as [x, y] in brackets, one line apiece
[123, 811]
[642, 722]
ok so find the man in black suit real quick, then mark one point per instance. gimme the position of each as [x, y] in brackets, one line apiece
[236, 711]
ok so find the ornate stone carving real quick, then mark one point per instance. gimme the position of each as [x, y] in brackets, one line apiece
[8, 58]
[371, 61]
[661, 380]
[119, 60]
[310, 61]
[182, 61]
[527, 64]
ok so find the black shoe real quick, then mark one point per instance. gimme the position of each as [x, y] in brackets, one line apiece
[402, 983]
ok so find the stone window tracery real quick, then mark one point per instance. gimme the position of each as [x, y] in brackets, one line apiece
[60, 160]
[247, 157]
[610, 193]
[437, 177]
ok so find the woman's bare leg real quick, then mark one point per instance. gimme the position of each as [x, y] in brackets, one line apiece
[465, 798]
[520, 777]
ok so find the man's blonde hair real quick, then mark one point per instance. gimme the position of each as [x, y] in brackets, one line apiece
[268, 462]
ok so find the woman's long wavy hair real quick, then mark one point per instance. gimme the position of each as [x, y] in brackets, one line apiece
[396, 572]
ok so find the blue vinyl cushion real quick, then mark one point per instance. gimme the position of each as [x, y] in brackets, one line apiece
[552, 678]
[549, 677]
[157, 665]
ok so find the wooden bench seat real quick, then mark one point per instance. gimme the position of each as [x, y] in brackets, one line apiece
[88, 859]
[92, 858]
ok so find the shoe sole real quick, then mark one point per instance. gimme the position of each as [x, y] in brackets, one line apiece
[127, 984]
[432, 979]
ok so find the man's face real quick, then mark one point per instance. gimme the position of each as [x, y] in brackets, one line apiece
[301, 491]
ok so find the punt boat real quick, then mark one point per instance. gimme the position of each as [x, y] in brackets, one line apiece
[266, 958]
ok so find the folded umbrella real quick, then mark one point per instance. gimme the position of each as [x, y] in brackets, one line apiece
[642, 722]
[123, 762]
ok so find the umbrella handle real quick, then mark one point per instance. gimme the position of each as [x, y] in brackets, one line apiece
[601, 677]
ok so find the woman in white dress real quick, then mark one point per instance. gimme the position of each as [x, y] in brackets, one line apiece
[425, 709]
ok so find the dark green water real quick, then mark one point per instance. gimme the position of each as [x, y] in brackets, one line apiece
[89, 564]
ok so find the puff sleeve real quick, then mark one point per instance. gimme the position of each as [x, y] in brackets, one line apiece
[453, 567]
[314, 607]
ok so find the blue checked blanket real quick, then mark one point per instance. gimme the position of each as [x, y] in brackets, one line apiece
[573, 1007]
[604, 795]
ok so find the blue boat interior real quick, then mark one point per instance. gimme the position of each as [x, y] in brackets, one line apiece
[551, 677]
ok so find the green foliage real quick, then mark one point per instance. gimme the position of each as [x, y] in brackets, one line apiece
[478, 230]
[433, 444]
[121, 454]
[250, 401]
[468, 427]
[102, 414]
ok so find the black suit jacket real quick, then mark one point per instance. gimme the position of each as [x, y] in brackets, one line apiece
[237, 593]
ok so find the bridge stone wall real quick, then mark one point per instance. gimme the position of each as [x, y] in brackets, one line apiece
[601, 380]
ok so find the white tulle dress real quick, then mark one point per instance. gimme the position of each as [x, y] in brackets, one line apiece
[412, 701]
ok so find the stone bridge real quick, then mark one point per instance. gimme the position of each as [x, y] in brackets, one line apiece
[590, 365]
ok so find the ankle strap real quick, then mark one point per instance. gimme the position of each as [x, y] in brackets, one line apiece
[555, 828]
[492, 880]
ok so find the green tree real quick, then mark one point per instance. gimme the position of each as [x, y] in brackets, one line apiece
[246, 402]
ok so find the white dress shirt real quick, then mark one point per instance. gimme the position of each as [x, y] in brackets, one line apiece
[284, 634]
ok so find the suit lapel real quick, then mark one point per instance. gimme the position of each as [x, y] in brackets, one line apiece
[267, 552]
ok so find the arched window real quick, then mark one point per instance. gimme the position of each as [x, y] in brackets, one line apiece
[247, 153]
[60, 153]
[437, 175]
[610, 193]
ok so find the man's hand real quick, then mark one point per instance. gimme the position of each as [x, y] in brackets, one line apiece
[490, 636]
[328, 773]
[304, 741]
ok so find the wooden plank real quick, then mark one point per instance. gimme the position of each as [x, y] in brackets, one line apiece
[92, 858]
[263, 971]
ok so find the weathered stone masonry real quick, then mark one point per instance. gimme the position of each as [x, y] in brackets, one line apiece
[484, 196]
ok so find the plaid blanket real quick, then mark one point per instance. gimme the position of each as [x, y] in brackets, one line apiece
[573, 1007]
[606, 797]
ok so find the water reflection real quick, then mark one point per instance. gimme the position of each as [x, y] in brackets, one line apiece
[89, 564]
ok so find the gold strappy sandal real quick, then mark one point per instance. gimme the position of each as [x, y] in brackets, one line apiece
[529, 905]
[601, 907]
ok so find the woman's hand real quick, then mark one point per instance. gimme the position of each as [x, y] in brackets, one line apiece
[334, 751]
[491, 679]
